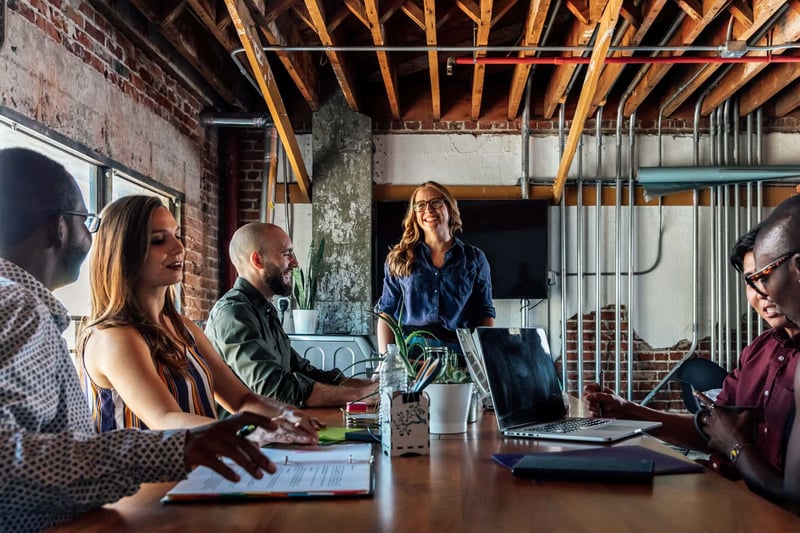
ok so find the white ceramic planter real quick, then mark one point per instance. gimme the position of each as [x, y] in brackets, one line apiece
[305, 320]
[449, 406]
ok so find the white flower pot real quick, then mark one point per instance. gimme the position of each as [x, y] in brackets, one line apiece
[305, 320]
[449, 407]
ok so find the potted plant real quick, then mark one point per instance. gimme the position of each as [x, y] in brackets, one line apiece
[404, 342]
[305, 289]
[451, 396]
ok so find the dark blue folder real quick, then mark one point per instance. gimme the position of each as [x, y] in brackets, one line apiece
[662, 463]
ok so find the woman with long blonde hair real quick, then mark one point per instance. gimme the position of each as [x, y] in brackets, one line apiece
[432, 279]
[144, 364]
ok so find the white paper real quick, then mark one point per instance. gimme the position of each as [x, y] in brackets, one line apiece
[339, 470]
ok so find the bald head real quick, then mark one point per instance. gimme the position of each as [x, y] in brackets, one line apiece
[31, 184]
[253, 237]
[263, 255]
[779, 237]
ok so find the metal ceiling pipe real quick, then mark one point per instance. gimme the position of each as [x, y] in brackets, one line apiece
[598, 309]
[737, 225]
[749, 213]
[563, 253]
[618, 240]
[626, 60]
[579, 243]
[759, 185]
[631, 216]
[237, 120]
[525, 142]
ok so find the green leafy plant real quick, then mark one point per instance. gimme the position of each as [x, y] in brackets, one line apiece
[404, 342]
[452, 373]
[305, 282]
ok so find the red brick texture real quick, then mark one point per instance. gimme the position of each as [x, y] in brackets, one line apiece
[650, 365]
[86, 34]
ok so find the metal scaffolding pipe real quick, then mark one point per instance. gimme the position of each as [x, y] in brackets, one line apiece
[598, 249]
[626, 60]
[237, 120]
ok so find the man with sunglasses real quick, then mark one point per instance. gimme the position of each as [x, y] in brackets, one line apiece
[52, 463]
[777, 276]
[763, 381]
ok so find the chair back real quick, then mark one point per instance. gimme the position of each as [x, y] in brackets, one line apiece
[703, 375]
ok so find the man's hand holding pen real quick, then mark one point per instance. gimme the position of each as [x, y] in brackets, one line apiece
[602, 401]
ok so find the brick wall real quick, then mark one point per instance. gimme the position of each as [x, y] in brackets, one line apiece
[154, 94]
[251, 168]
[650, 365]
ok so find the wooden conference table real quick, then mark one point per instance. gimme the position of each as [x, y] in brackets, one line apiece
[459, 488]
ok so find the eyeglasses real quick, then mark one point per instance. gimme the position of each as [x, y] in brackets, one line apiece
[758, 279]
[92, 221]
[434, 203]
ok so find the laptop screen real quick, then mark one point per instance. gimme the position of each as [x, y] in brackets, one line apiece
[521, 374]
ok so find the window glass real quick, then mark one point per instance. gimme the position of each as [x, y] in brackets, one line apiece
[86, 172]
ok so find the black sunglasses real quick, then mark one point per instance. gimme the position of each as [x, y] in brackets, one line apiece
[757, 280]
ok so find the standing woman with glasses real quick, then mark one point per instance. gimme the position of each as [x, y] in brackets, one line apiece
[433, 280]
[145, 365]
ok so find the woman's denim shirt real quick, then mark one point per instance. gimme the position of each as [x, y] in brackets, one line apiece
[457, 295]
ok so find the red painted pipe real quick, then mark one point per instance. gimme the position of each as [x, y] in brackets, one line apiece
[629, 60]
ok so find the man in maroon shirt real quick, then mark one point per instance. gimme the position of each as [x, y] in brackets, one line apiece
[763, 381]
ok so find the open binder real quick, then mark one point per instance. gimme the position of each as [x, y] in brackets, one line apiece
[311, 471]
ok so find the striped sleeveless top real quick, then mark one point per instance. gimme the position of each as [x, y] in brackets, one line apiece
[193, 391]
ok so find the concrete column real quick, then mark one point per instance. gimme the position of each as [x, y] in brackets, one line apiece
[342, 214]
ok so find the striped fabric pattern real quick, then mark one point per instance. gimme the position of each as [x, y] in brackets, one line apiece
[194, 393]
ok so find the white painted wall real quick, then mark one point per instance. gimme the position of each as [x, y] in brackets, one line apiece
[662, 303]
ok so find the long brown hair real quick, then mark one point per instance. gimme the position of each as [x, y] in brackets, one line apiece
[120, 248]
[401, 257]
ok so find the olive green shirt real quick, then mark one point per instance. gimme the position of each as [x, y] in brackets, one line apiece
[245, 329]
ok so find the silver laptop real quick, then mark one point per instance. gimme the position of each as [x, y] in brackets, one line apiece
[527, 394]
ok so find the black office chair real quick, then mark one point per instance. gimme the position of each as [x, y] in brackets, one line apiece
[701, 374]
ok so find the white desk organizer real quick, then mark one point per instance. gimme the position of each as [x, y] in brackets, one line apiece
[405, 430]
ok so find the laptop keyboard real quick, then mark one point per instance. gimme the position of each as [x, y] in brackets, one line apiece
[574, 424]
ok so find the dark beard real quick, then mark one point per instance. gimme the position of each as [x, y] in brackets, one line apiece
[273, 278]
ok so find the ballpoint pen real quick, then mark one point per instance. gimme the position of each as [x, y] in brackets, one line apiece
[245, 430]
[431, 373]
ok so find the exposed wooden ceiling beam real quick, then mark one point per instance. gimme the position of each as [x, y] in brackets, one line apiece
[388, 71]
[578, 35]
[470, 9]
[433, 58]
[534, 25]
[633, 36]
[479, 70]
[687, 33]
[338, 61]
[245, 28]
[413, 12]
[390, 8]
[788, 101]
[579, 9]
[148, 37]
[786, 31]
[693, 8]
[768, 85]
[501, 8]
[300, 65]
[275, 8]
[696, 75]
[190, 38]
[604, 35]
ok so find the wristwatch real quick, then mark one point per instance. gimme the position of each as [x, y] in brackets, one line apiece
[736, 451]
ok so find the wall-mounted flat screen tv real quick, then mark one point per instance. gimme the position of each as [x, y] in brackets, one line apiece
[512, 234]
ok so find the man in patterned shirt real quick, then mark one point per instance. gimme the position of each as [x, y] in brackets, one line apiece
[52, 464]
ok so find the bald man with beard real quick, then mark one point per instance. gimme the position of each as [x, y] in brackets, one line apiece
[244, 327]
